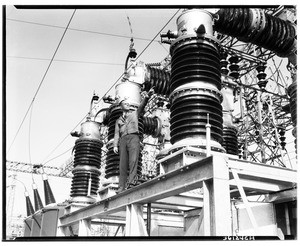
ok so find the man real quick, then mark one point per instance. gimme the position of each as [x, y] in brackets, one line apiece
[127, 141]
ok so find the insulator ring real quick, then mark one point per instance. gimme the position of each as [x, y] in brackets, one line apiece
[195, 62]
[151, 125]
[230, 140]
[114, 113]
[195, 108]
[80, 184]
[159, 79]
[191, 91]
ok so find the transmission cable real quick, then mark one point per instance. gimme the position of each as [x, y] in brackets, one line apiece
[29, 135]
[79, 30]
[62, 60]
[114, 83]
[58, 155]
[41, 82]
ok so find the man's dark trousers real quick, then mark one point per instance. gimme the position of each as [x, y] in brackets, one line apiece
[129, 150]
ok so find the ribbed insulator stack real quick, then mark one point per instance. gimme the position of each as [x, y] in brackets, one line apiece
[150, 125]
[234, 67]
[195, 83]
[292, 92]
[257, 27]
[294, 133]
[196, 59]
[230, 141]
[257, 137]
[189, 117]
[240, 150]
[112, 163]
[157, 169]
[87, 160]
[112, 159]
[114, 113]
[282, 138]
[261, 75]
[224, 62]
[159, 79]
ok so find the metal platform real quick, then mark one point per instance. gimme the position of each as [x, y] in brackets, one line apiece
[217, 179]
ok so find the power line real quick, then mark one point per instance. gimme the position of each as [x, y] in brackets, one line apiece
[58, 155]
[41, 82]
[60, 60]
[80, 30]
[29, 134]
[114, 82]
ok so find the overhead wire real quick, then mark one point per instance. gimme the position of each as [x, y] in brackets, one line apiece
[29, 135]
[81, 30]
[40, 84]
[58, 155]
[60, 60]
[114, 83]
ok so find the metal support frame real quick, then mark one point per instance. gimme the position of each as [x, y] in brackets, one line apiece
[84, 229]
[135, 225]
[245, 201]
[216, 197]
[149, 218]
[215, 174]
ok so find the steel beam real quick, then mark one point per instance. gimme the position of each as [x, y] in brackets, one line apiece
[264, 173]
[182, 201]
[258, 185]
[175, 182]
[282, 196]
[212, 173]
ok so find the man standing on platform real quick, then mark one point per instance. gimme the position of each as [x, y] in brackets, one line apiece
[127, 140]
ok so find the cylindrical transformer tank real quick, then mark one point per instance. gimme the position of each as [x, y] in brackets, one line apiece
[195, 83]
[194, 19]
[87, 161]
[129, 91]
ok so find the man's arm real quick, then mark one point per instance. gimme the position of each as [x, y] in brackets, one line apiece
[117, 136]
[144, 101]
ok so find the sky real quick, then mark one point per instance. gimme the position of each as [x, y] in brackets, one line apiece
[90, 58]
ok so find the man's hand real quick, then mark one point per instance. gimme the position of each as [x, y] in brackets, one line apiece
[151, 92]
[148, 94]
[116, 150]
